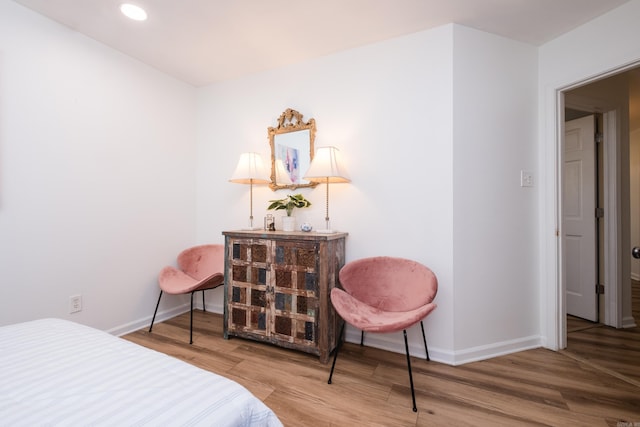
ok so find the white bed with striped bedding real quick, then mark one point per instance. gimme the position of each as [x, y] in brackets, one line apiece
[58, 373]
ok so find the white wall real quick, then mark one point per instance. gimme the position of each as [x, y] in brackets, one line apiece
[387, 107]
[119, 177]
[600, 46]
[98, 186]
[97, 181]
[435, 166]
[495, 235]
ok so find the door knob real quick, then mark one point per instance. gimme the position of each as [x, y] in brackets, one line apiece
[635, 252]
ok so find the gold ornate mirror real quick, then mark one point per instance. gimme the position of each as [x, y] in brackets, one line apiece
[291, 150]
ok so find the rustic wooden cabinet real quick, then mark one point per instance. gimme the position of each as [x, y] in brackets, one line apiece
[277, 286]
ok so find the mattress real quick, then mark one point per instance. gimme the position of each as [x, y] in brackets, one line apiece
[58, 373]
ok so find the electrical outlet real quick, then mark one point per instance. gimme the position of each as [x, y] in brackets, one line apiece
[75, 303]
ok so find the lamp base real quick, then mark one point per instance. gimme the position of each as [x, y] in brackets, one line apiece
[326, 231]
[252, 228]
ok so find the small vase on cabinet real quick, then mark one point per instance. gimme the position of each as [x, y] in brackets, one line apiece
[288, 223]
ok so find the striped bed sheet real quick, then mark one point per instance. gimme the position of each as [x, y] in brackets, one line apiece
[55, 372]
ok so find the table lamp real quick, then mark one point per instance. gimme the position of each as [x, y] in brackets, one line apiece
[250, 170]
[327, 167]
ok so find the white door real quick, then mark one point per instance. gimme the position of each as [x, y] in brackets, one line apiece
[578, 219]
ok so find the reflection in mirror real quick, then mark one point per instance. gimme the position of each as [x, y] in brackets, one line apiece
[282, 174]
[291, 150]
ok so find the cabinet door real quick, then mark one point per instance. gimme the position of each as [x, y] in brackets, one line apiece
[248, 299]
[294, 281]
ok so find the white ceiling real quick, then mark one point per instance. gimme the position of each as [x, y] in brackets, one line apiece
[205, 41]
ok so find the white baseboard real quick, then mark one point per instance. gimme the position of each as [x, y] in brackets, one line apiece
[489, 351]
[162, 316]
[389, 342]
[395, 343]
[629, 322]
[146, 321]
[211, 307]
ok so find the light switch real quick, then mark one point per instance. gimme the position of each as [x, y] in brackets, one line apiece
[526, 179]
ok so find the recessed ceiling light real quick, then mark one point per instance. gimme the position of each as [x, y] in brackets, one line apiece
[133, 12]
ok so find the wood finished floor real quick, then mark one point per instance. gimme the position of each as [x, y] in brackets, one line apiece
[615, 350]
[370, 386]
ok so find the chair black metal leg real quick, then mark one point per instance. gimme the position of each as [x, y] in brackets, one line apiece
[362, 338]
[335, 356]
[424, 338]
[154, 313]
[203, 307]
[191, 323]
[413, 394]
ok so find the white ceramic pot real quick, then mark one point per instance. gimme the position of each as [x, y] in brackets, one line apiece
[288, 223]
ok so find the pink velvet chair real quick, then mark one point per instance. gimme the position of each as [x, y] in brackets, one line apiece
[385, 294]
[199, 268]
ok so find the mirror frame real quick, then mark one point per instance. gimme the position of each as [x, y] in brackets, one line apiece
[290, 121]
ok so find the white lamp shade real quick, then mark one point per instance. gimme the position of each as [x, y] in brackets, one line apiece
[327, 166]
[282, 176]
[250, 170]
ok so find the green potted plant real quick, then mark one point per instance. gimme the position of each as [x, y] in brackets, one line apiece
[289, 203]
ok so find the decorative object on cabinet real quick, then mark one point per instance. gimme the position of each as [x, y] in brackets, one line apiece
[199, 268]
[277, 288]
[327, 166]
[385, 294]
[288, 223]
[250, 170]
[291, 142]
[269, 222]
[288, 204]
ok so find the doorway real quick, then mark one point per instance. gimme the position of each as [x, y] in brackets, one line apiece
[616, 98]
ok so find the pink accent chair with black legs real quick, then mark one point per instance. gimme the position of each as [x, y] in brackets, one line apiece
[385, 294]
[200, 268]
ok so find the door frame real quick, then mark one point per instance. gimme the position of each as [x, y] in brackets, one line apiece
[613, 250]
[614, 125]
